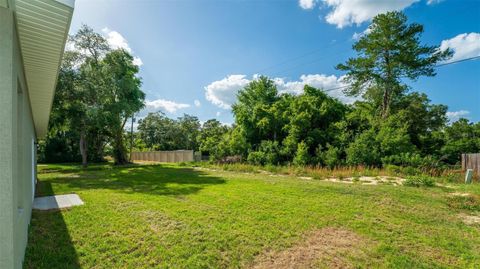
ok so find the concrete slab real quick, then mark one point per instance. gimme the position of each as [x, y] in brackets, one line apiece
[57, 201]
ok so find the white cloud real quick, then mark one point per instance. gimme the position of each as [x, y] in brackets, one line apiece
[218, 114]
[348, 12]
[69, 46]
[223, 92]
[464, 46]
[164, 105]
[137, 61]
[320, 81]
[197, 103]
[456, 115]
[357, 36]
[307, 4]
[433, 2]
[117, 41]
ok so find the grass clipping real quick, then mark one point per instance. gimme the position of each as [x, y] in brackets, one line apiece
[324, 248]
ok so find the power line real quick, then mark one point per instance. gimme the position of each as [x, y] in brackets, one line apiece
[307, 63]
[458, 61]
[436, 66]
[302, 56]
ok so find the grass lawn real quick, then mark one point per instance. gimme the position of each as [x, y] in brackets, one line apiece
[167, 216]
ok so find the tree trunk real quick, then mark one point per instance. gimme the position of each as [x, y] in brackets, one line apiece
[83, 148]
[386, 93]
[385, 103]
[119, 150]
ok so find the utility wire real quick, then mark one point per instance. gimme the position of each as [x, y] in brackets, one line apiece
[436, 66]
[343, 41]
[458, 61]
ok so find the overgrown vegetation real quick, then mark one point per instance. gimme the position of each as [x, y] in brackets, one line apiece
[388, 126]
[419, 181]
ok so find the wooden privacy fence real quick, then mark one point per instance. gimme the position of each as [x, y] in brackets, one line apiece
[471, 161]
[176, 156]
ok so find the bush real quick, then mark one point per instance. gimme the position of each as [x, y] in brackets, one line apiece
[403, 159]
[364, 150]
[271, 150]
[330, 157]
[426, 164]
[419, 181]
[301, 157]
[267, 153]
[256, 158]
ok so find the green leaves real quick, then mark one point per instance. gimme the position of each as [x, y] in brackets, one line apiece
[390, 51]
[97, 90]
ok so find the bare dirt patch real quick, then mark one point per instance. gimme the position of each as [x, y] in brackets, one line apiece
[365, 180]
[470, 219]
[160, 223]
[461, 194]
[328, 247]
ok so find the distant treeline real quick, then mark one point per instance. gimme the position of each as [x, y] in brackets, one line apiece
[389, 125]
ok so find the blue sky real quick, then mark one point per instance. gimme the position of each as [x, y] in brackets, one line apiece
[196, 54]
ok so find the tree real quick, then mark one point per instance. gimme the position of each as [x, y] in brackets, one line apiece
[233, 143]
[390, 51]
[90, 47]
[210, 136]
[61, 143]
[312, 117]
[253, 110]
[121, 97]
[423, 121]
[158, 131]
[74, 115]
[461, 137]
[97, 91]
[190, 129]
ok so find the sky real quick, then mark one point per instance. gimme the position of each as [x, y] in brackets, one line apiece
[194, 55]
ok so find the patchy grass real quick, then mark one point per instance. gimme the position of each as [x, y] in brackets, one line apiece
[443, 175]
[419, 181]
[331, 247]
[464, 201]
[168, 216]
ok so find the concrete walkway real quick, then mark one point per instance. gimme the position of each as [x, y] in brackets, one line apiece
[57, 202]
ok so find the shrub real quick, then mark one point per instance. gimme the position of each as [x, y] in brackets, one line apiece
[271, 150]
[256, 158]
[404, 159]
[301, 157]
[419, 181]
[426, 164]
[329, 157]
[364, 150]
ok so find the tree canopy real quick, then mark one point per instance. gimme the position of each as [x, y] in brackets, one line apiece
[98, 89]
[389, 52]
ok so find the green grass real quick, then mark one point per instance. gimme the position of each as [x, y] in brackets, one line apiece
[168, 216]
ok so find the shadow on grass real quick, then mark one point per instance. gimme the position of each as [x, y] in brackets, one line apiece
[49, 242]
[150, 179]
[66, 168]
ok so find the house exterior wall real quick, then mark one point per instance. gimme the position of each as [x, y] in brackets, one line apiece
[17, 148]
